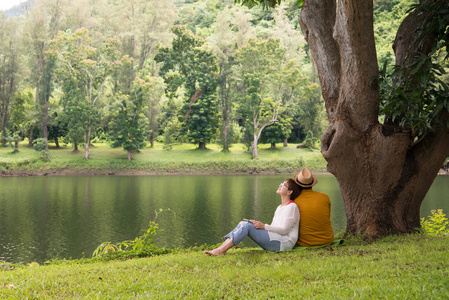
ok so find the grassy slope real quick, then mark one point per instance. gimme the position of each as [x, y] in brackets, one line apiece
[400, 267]
[413, 266]
[181, 159]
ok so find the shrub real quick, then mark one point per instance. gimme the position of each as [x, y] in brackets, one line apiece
[40, 145]
[141, 246]
[437, 223]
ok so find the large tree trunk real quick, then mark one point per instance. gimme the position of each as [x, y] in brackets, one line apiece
[382, 176]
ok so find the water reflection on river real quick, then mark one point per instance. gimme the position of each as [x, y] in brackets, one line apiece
[62, 217]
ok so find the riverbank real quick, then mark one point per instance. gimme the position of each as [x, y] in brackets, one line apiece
[409, 266]
[182, 159]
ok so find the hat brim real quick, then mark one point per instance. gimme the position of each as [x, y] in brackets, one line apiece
[314, 181]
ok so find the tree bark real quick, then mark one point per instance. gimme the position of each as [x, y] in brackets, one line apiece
[152, 139]
[87, 143]
[202, 145]
[30, 140]
[383, 178]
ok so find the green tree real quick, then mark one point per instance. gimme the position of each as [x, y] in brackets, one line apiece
[42, 23]
[127, 128]
[278, 132]
[267, 85]
[310, 108]
[21, 106]
[85, 69]
[193, 67]
[74, 110]
[9, 68]
[224, 42]
[56, 127]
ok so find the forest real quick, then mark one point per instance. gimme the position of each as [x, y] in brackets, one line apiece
[130, 73]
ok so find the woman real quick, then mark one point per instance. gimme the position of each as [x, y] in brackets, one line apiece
[281, 235]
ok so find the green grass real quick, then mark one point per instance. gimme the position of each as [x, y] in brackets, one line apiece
[185, 158]
[398, 267]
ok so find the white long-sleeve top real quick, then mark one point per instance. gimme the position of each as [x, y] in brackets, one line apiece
[285, 225]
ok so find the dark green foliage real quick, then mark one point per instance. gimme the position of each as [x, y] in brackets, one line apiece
[200, 14]
[266, 4]
[414, 95]
[277, 132]
[127, 128]
[57, 128]
[19, 114]
[388, 15]
[40, 145]
[202, 121]
[75, 112]
[310, 108]
[195, 68]
[310, 140]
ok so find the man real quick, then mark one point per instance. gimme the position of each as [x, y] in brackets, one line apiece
[315, 228]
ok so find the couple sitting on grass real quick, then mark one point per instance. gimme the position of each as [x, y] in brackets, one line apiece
[299, 201]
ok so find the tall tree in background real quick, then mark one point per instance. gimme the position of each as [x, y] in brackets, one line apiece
[384, 170]
[230, 33]
[154, 92]
[21, 107]
[267, 85]
[141, 26]
[189, 65]
[86, 69]
[9, 68]
[310, 109]
[292, 40]
[128, 126]
[42, 25]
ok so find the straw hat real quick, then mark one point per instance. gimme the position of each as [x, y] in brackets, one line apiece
[305, 178]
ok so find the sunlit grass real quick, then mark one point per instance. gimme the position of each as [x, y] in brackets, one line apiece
[183, 158]
[398, 267]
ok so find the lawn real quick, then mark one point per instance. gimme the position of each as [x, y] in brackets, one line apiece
[412, 266]
[184, 158]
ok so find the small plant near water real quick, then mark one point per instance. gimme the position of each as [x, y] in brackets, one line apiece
[437, 223]
[141, 246]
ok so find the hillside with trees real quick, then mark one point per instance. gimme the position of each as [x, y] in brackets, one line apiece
[133, 72]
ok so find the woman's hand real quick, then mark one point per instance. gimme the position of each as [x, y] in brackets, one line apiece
[257, 224]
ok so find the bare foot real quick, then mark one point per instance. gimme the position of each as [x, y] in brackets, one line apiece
[215, 252]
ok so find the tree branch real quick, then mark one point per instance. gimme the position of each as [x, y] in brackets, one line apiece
[317, 22]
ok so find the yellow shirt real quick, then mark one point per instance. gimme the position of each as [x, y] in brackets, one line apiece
[315, 228]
